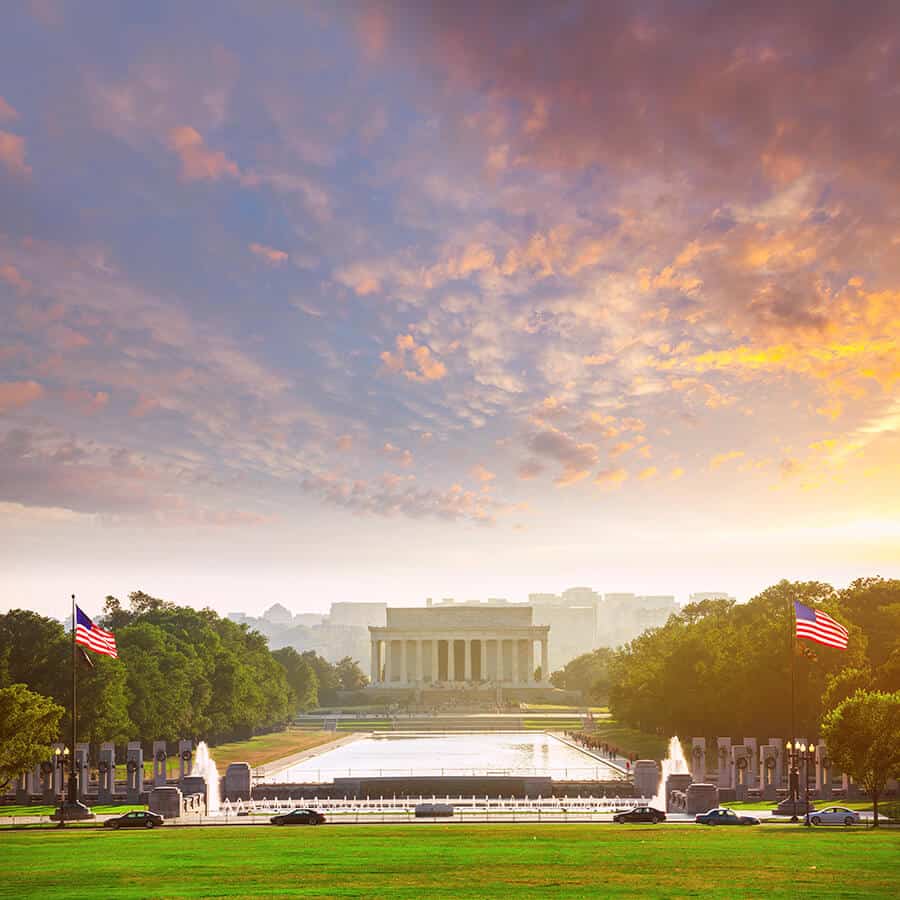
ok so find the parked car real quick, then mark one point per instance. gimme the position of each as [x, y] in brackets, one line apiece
[431, 810]
[299, 817]
[136, 819]
[833, 815]
[640, 814]
[724, 816]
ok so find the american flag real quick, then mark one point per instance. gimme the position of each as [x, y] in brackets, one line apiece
[817, 626]
[93, 636]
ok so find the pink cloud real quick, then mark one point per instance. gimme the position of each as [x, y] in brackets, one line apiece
[12, 154]
[425, 367]
[269, 254]
[16, 394]
[11, 275]
[198, 162]
[86, 401]
[7, 113]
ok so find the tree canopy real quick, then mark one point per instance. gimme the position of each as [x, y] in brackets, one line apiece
[863, 737]
[29, 723]
[719, 667]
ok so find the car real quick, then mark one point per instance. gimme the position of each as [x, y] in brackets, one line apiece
[833, 815]
[138, 818]
[299, 817]
[724, 816]
[640, 814]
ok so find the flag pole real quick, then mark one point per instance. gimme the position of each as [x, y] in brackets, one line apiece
[73, 777]
[793, 738]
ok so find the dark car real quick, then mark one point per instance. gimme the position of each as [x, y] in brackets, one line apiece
[640, 814]
[299, 817]
[723, 816]
[137, 819]
[433, 810]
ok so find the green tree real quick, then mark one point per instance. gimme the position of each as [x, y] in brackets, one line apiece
[349, 675]
[863, 737]
[300, 676]
[29, 723]
[588, 673]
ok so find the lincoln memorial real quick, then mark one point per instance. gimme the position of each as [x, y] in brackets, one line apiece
[459, 646]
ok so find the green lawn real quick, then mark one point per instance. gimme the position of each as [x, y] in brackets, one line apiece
[630, 740]
[7, 812]
[266, 748]
[451, 861]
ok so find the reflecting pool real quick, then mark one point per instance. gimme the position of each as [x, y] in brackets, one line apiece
[478, 753]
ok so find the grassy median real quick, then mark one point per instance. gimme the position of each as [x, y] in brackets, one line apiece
[451, 861]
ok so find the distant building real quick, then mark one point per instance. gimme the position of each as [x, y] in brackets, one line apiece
[621, 617]
[357, 614]
[279, 615]
[709, 595]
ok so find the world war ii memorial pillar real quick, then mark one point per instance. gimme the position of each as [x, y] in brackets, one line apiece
[134, 771]
[159, 763]
[106, 769]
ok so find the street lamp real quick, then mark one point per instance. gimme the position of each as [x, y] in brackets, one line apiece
[794, 751]
[62, 762]
[809, 758]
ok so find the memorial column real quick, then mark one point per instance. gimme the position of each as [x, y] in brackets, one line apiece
[373, 668]
[484, 676]
[388, 662]
[420, 675]
[545, 673]
[468, 659]
[404, 675]
[451, 663]
[515, 660]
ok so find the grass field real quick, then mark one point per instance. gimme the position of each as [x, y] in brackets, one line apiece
[629, 740]
[451, 861]
[267, 748]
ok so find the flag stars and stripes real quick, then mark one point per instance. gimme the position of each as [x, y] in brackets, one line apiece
[93, 636]
[814, 625]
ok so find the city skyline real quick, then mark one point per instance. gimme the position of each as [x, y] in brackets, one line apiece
[323, 302]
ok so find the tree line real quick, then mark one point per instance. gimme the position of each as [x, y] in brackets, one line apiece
[724, 668]
[181, 672]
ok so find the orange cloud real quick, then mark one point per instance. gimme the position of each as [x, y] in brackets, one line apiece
[361, 279]
[85, 401]
[16, 394]
[269, 254]
[198, 162]
[611, 478]
[427, 368]
[11, 275]
[345, 442]
[721, 458]
[482, 474]
[12, 154]
[649, 472]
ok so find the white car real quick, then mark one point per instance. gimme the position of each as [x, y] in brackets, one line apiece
[833, 815]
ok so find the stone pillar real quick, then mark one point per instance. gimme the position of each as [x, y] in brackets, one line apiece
[388, 661]
[545, 661]
[484, 672]
[468, 657]
[752, 773]
[741, 761]
[451, 660]
[373, 661]
[851, 788]
[646, 778]
[159, 763]
[47, 793]
[420, 672]
[780, 761]
[82, 752]
[768, 766]
[530, 678]
[515, 660]
[134, 771]
[106, 767]
[698, 758]
[823, 772]
[725, 763]
[22, 795]
[185, 755]
[404, 653]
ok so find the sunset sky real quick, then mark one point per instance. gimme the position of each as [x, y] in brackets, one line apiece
[306, 302]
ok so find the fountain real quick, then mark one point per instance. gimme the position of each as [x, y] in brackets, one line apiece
[205, 767]
[673, 764]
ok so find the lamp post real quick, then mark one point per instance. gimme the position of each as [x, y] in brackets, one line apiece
[793, 750]
[62, 762]
[809, 758]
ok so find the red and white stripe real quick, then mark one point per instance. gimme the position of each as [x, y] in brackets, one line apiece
[824, 631]
[97, 639]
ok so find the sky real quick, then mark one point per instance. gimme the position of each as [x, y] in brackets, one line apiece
[308, 302]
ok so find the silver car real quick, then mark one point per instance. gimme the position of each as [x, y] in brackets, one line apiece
[833, 815]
